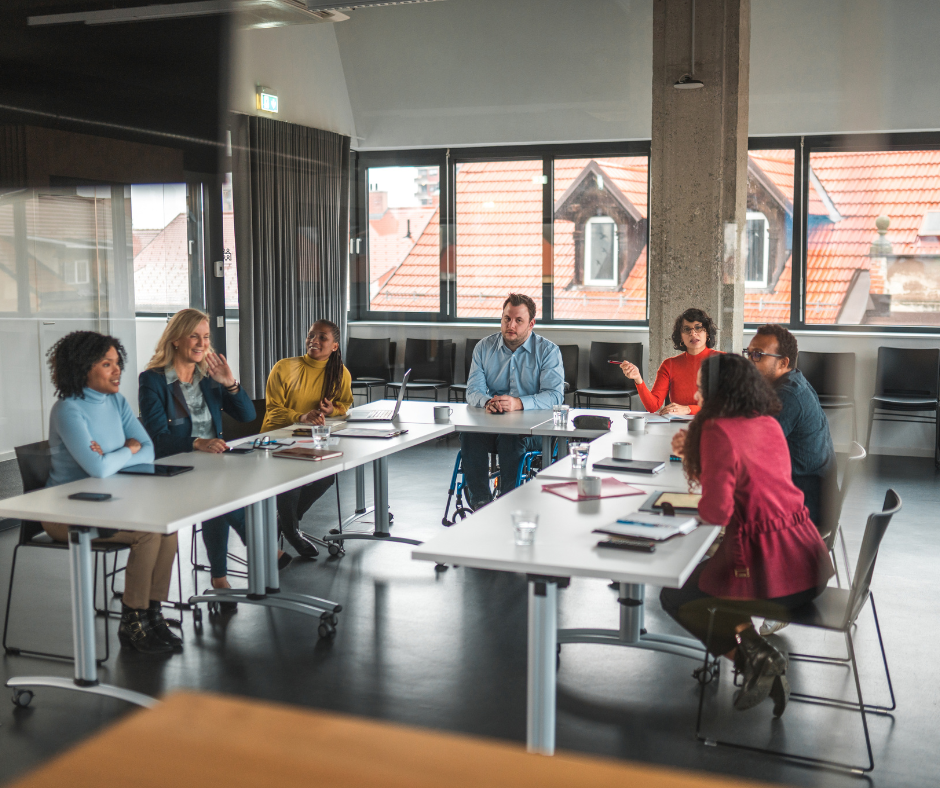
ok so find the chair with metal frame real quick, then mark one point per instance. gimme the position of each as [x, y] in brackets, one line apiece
[832, 376]
[370, 363]
[605, 380]
[835, 610]
[458, 391]
[906, 381]
[431, 362]
[857, 453]
[35, 463]
[570, 355]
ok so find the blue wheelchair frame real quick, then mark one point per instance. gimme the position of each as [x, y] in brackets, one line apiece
[458, 484]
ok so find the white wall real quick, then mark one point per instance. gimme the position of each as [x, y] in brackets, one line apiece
[303, 65]
[491, 72]
[149, 330]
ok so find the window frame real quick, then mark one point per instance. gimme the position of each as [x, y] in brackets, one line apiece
[590, 281]
[758, 284]
[447, 158]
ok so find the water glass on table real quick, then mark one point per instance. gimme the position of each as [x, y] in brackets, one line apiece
[524, 525]
[579, 456]
[560, 415]
[321, 436]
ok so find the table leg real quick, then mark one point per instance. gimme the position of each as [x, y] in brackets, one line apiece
[257, 565]
[546, 450]
[272, 581]
[543, 632]
[81, 579]
[380, 506]
[360, 489]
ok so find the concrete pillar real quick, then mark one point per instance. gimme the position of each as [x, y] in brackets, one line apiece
[698, 169]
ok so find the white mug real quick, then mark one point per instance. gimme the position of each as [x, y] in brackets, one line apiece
[443, 413]
[636, 424]
[589, 486]
[622, 450]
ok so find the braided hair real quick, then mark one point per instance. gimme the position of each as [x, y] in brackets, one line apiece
[333, 374]
[731, 386]
[73, 356]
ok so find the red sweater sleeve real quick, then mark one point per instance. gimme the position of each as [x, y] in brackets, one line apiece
[719, 475]
[653, 400]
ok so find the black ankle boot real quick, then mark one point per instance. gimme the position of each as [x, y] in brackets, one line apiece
[298, 540]
[780, 693]
[160, 628]
[135, 632]
[762, 664]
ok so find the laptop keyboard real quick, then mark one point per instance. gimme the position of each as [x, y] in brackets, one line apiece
[378, 414]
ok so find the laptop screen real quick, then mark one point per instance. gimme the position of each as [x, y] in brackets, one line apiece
[401, 394]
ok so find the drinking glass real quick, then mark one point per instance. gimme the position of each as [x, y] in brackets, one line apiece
[579, 455]
[321, 436]
[560, 415]
[524, 524]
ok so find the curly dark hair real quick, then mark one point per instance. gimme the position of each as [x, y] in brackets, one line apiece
[786, 342]
[73, 356]
[731, 386]
[694, 316]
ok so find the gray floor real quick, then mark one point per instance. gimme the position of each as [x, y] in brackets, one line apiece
[447, 650]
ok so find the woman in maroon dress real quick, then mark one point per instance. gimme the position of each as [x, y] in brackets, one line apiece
[771, 551]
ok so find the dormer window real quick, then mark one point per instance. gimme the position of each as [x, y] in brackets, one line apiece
[758, 250]
[600, 251]
[931, 224]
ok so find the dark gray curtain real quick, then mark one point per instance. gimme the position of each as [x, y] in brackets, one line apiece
[291, 194]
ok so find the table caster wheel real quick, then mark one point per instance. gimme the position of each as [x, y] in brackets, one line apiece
[335, 548]
[22, 698]
[334, 619]
[197, 615]
[707, 674]
[326, 630]
[440, 567]
[214, 608]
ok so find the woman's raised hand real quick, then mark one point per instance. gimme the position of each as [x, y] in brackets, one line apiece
[631, 371]
[219, 370]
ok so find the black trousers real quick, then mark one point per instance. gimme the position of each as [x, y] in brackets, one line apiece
[689, 607]
[293, 505]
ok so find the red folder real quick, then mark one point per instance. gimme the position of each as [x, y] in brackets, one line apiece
[610, 488]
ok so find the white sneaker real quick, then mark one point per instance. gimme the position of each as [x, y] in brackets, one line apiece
[769, 627]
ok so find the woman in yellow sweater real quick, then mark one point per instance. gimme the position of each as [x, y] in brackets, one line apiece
[307, 389]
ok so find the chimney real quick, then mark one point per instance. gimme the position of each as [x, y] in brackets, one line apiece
[378, 204]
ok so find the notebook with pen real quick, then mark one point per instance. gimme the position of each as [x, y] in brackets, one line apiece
[311, 455]
[657, 527]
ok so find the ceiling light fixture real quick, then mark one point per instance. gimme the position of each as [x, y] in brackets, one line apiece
[688, 81]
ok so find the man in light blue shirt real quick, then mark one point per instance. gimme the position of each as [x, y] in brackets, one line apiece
[512, 370]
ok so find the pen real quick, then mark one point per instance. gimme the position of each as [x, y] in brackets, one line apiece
[634, 522]
[618, 363]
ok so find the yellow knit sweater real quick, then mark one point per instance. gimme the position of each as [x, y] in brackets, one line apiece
[295, 386]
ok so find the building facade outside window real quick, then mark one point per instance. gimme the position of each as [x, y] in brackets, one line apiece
[600, 252]
[758, 246]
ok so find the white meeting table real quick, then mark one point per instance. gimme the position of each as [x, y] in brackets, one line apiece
[219, 483]
[565, 547]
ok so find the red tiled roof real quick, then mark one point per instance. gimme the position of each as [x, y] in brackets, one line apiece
[388, 241]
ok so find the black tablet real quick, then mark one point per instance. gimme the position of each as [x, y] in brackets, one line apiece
[156, 470]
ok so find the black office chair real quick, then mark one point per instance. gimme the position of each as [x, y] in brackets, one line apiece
[431, 362]
[233, 430]
[605, 380]
[835, 610]
[832, 376]
[458, 391]
[35, 463]
[570, 355]
[906, 382]
[370, 363]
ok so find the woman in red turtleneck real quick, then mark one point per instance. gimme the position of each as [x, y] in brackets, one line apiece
[694, 333]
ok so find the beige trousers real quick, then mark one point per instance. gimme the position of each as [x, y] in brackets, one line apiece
[149, 565]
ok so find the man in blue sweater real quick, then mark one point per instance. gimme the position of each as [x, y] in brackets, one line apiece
[812, 457]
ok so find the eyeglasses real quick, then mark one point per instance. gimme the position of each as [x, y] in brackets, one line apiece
[757, 355]
[697, 329]
[268, 443]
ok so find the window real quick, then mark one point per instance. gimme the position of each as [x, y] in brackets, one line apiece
[931, 224]
[75, 272]
[164, 245]
[499, 234]
[868, 259]
[600, 235]
[600, 251]
[758, 246]
[228, 242]
[404, 239]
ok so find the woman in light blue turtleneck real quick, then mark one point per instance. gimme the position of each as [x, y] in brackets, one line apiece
[93, 432]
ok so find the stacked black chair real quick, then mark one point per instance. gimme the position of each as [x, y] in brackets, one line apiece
[569, 359]
[832, 376]
[35, 463]
[370, 363]
[906, 384]
[605, 380]
[458, 391]
[233, 430]
[835, 610]
[431, 362]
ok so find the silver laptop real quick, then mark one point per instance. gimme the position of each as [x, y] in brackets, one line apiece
[383, 415]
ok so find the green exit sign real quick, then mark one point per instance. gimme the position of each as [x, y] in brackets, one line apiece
[266, 100]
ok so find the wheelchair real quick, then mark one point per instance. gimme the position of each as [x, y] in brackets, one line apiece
[529, 466]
